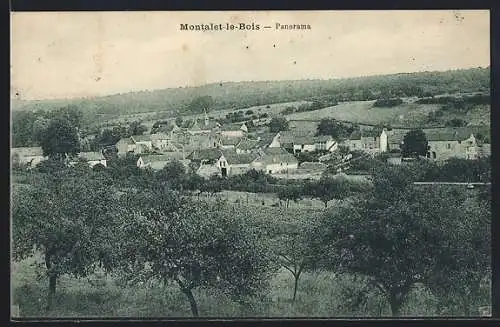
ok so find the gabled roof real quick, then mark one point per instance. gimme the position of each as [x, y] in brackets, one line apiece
[165, 157]
[91, 156]
[126, 140]
[230, 140]
[454, 134]
[27, 151]
[248, 144]
[234, 158]
[230, 127]
[141, 138]
[205, 154]
[355, 135]
[396, 136]
[276, 155]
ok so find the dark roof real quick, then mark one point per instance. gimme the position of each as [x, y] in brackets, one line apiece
[248, 144]
[165, 157]
[230, 140]
[276, 155]
[91, 156]
[454, 134]
[355, 135]
[231, 127]
[205, 154]
[234, 158]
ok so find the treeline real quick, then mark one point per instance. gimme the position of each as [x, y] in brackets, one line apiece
[247, 94]
[388, 102]
[310, 106]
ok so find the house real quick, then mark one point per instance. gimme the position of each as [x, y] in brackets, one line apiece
[229, 142]
[93, 158]
[275, 160]
[125, 145]
[232, 130]
[160, 141]
[367, 141]
[158, 161]
[443, 143]
[297, 141]
[248, 145]
[233, 163]
[448, 143]
[205, 156]
[142, 142]
[30, 156]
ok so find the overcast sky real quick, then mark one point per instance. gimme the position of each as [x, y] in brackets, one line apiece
[61, 55]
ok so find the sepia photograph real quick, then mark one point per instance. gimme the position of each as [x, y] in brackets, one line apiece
[250, 164]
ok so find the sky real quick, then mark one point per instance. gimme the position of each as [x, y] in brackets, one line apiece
[79, 54]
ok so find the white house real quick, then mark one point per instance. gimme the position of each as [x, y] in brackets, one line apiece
[275, 160]
[30, 156]
[160, 141]
[143, 143]
[93, 158]
[158, 161]
[125, 146]
[233, 163]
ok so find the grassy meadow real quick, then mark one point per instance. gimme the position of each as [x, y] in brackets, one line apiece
[364, 112]
[320, 294]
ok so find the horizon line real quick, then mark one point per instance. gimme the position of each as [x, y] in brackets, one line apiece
[13, 97]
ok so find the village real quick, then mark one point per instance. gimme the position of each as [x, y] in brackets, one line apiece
[231, 149]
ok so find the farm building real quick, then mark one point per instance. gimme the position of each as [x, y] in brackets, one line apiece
[158, 161]
[142, 142]
[447, 143]
[232, 163]
[125, 146]
[275, 160]
[160, 141]
[30, 156]
[298, 141]
[92, 158]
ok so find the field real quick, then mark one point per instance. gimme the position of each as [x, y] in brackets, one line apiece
[320, 294]
[407, 114]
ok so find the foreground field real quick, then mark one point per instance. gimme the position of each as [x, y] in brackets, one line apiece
[320, 294]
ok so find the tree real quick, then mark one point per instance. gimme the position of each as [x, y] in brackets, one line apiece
[331, 127]
[278, 124]
[456, 122]
[136, 128]
[398, 237]
[69, 220]
[290, 192]
[61, 139]
[328, 188]
[293, 250]
[173, 174]
[39, 129]
[172, 239]
[414, 144]
[201, 104]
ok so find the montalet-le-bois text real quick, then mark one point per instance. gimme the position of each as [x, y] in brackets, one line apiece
[241, 27]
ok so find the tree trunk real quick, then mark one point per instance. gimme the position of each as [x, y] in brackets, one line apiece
[52, 282]
[326, 204]
[192, 302]
[189, 294]
[396, 302]
[296, 285]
